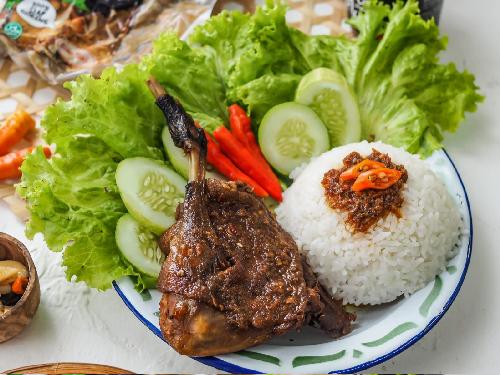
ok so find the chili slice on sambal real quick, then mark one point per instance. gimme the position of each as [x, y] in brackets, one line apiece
[367, 188]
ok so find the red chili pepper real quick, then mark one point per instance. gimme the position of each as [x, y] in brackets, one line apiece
[246, 161]
[10, 163]
[236, 110]
[241, 126]
[353, 172]
[225, 166]
[15, 128]
[242, 130]
[380, 178]
[238, 128]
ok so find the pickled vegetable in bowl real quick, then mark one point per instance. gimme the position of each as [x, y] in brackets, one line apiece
[13, 282]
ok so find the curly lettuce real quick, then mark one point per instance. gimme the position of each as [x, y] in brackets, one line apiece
[406, 97]
[247, 47]
[189, 75]
[73, 198]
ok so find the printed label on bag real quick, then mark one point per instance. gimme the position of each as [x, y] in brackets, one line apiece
[13, 30]
[38, 13]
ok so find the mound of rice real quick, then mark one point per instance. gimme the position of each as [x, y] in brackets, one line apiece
[396, 256]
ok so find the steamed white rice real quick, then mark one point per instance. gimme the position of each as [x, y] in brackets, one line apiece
[396, 256]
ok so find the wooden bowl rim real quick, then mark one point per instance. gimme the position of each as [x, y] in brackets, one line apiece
[64, 367]
[4, 237]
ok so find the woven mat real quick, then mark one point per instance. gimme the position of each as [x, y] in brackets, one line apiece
[20, 89]
[318, 17]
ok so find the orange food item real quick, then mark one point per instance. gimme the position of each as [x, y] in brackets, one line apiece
[243, 158]
[10, 163]
[379, 178]
[15, 128]
[225, 166]
[19, 285]
[241, 128]
[353, 172]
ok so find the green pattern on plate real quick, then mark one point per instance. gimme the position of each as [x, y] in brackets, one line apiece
[436, 289]
[260, 357]
[156, 313]
[451, 269]
[310, 360]
[357, 353]
[395, 332]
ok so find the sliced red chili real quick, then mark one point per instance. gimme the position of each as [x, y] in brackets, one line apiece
[353, 172]
[379, 178]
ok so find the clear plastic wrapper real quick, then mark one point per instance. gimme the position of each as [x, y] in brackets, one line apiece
[60, 39]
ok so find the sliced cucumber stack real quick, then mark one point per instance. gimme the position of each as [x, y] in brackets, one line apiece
[290, 134]
[139, 246]
[151, 192]
[330, 97]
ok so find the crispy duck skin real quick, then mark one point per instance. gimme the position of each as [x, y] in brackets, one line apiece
[233, 278]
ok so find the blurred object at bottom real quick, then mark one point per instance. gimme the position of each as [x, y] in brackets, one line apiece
[67, 368]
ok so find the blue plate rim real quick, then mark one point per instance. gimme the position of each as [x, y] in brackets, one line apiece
[235, 369]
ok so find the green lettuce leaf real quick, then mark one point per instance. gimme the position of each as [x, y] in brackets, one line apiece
[115, 108]
[248, 47]
[406, 97]
[188, 74]
[316, 51]
[73, 201]
[209, 123]
[259, 58]
[73, 198]
[263, 93]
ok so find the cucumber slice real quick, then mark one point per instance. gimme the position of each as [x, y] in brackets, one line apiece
[151, 192]
[290, 134]
[329, 95]
[176, 156]
[179, 160]
[139, 246]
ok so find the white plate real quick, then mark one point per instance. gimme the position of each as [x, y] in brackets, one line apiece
[379, 334]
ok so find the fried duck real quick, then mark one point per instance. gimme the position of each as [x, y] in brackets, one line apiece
[233, 278]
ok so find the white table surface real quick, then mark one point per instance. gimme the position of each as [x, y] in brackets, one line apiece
[76, 324]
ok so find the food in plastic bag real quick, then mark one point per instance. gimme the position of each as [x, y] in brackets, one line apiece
[60, 39]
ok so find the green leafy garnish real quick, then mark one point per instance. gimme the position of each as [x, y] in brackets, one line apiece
[406, 97]
[73, 198]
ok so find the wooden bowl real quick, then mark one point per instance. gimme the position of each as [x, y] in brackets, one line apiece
[61, 368]
[20, 315]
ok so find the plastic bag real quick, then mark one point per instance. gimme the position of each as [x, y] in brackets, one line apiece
[60, 39]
